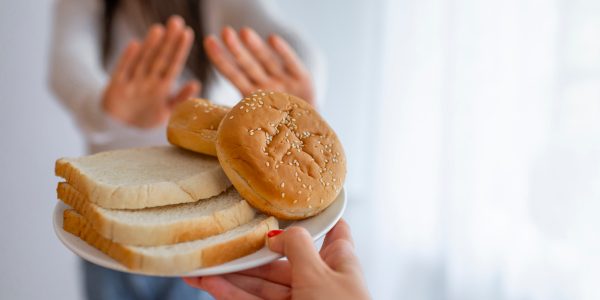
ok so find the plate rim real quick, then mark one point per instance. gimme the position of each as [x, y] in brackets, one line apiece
[97, 257]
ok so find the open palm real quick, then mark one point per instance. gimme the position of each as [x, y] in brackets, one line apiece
[250, 63]
[140, 90]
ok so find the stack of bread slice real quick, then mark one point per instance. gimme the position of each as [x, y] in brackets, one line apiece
[159, 210]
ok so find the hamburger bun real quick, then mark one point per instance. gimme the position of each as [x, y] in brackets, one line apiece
[281, 155]
[193, 125]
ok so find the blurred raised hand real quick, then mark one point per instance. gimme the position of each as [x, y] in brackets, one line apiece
[251, 63]
[140, 89]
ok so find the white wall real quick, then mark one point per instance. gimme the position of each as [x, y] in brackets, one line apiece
[35, 131]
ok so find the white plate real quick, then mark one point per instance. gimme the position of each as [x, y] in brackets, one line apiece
[318, 226]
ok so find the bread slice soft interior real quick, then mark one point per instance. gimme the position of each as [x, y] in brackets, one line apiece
[162, 225]
[144, 177]
[177, 258]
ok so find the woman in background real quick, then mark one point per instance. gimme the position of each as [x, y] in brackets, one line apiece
[120, 66]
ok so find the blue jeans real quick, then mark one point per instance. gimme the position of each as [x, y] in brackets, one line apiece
[106, 284]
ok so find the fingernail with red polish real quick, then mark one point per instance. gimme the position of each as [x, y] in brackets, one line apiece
[273, 233]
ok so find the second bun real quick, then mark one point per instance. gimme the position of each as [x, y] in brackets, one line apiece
[193, 125]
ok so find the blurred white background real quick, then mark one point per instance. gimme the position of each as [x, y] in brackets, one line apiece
[472, 129]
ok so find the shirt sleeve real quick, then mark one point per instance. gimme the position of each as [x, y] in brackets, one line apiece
[76, 74]
[264, 17]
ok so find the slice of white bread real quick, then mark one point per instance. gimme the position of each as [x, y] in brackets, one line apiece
[162, 225]
[144, 177]
[177, 258]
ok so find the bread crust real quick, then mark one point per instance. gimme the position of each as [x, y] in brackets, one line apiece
[193, 125]
[205, 184]
[281, 155]
[137, 260]
[77, 225]
[159, 233]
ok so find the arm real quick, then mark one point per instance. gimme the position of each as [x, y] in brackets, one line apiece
[76, 75]
[138, 93]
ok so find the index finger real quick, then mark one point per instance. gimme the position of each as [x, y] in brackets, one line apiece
[244, 59]
[262, 52]
[292, 63]
[181, 52]
[226, 66]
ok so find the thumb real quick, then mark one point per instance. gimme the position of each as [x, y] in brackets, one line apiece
[190, 89]
[297, 244]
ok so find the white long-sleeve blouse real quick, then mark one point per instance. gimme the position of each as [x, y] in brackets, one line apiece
[78, 78]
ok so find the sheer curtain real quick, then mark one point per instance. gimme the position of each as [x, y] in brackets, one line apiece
[487, 174]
